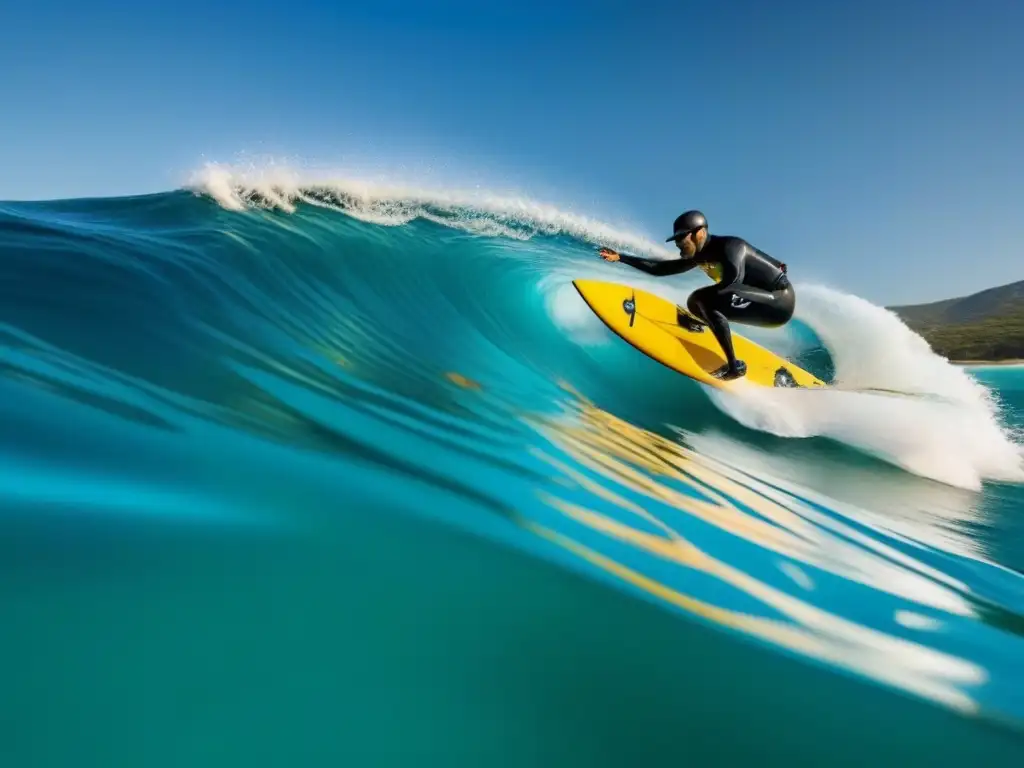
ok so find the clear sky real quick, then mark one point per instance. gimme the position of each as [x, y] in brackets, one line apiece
[875, 146]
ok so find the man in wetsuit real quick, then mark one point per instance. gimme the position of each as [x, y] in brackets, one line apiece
[752, 287]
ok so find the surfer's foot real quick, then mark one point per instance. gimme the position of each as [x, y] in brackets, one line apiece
[727, 372]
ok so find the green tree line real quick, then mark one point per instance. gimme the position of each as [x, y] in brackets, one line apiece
[1000, 337]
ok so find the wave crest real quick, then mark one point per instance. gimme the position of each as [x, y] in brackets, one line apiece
[391, 204]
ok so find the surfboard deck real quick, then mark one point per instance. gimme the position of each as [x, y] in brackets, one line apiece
[676, 339]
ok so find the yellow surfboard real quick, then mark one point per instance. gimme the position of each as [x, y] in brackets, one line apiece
[672, 336]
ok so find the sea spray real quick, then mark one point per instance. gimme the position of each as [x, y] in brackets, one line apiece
[925, 415]
[476, 211]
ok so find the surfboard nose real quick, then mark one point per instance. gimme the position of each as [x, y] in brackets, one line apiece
[587, 286]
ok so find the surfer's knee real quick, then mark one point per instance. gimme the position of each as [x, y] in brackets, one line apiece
[695, 303]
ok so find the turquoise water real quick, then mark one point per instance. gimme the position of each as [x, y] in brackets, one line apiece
[337, 482]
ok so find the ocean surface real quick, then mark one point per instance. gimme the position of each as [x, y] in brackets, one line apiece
[325, 473]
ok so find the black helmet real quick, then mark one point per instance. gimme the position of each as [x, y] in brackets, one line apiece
[686, 223]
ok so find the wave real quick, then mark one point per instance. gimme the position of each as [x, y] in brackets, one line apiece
[950, 430]
[273, 356]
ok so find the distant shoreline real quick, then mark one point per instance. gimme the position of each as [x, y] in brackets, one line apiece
[1017, 361]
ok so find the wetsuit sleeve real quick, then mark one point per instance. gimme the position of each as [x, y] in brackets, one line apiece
[658, 268]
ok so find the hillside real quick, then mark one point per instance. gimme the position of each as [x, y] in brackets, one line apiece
[988, 325]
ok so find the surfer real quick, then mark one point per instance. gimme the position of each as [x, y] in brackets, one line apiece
[751, 287]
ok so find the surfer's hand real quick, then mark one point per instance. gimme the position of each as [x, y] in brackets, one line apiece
[608, 254]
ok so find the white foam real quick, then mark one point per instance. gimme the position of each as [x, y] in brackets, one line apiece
[571, 314]
[391, 203]
[949, 430]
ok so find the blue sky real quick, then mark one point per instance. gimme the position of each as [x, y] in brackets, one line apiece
[876, 147]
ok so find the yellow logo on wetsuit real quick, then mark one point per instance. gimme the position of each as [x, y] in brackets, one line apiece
[714, 271]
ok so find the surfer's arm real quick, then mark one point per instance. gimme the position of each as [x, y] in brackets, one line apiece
[658, 268]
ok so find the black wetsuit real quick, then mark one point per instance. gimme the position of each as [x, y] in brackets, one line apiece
[752, 288]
